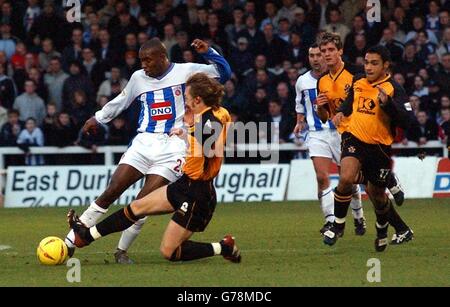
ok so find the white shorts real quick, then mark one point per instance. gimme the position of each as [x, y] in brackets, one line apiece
[324, 143]
[159, 154]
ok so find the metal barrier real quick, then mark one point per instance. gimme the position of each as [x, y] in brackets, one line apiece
[109, 151]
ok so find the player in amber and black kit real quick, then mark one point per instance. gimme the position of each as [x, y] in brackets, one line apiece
[375, 105]
[192, 198]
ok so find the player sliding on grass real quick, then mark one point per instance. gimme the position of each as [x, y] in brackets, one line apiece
[192, 198]
[154, 154]
[377, 104]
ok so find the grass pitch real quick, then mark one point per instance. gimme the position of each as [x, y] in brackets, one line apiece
[280, 244]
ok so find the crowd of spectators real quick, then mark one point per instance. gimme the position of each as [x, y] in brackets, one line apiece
[54, 74]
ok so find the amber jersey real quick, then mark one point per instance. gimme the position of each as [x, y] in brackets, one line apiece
[206, 144]
[337, 87]
[371, 122]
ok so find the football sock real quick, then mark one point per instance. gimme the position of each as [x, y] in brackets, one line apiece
[395, 220]
[392, 183]
[327, 204]
[381, 212]
[118, 221]
[356, 203]
[341, 204]
[130, 234]
[89, 218]
[190, 250]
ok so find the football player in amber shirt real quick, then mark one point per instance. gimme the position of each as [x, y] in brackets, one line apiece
[377, 104]
[192, 198]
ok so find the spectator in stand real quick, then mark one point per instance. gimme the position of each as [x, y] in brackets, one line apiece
[256, 109]
[238, 25]
[419, 25]
[94, 69]
[72, 52]
[241, 58]
[31, 136]
[47, 53]
[253, 34]
[169, 39]
[7, 41]
[29, 104]
[82, 109]
[77, 81]
[54, 80]
[297, 51]
[7, 89]
[233, 99]
[335, 24]
[11, 129]
[112, 86]
[444, 46]
[423, 129]
[176, 53]
[394, 46]
[131, 64]
[41, 89]
[49, 122]
[118, 132]
[64, 133]
[303, 27]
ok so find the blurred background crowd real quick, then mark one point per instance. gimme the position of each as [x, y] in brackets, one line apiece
[55, 74]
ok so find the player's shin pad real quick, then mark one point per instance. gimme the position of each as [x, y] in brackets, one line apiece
[118, 221]
[190, 250]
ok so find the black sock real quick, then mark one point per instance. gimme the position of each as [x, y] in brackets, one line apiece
[395, 220]
[190, 250]
[118, 221]
[341, 204]
[391, 181]
[381, 212]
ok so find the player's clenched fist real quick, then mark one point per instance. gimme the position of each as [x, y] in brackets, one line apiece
[322, 99]
[200, 46]
[90, 126]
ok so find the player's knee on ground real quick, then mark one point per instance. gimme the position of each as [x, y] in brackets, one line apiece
[169, 253]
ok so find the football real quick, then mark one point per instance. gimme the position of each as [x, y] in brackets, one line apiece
[52, 251]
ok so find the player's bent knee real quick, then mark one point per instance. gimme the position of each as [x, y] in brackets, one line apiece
[169, 253]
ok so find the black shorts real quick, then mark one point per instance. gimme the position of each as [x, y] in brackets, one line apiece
[194, 202]
[375, 159]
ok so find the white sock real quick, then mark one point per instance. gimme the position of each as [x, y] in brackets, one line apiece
[130, 234]
[217, 248]
[327, 204]
[89, 217]
[356, 203]
[94, 233]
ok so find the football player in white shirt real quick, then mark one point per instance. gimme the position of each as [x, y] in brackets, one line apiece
[159, 87]
[323, 141]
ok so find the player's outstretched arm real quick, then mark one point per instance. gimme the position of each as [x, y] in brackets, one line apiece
[213, 57]
[114, 107]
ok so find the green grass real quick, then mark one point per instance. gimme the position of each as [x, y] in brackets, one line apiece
[280, 244]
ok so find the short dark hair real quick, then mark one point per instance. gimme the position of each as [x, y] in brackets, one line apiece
[154, 43]
[329, 37]
[13, 111]
[382, 51]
